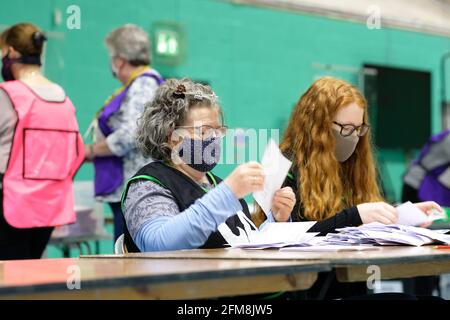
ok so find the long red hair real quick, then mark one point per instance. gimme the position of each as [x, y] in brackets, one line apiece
[326, 186]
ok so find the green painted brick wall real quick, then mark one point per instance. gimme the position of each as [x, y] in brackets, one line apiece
[257, 60]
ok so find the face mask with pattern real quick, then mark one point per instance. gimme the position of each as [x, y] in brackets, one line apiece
[201, 155]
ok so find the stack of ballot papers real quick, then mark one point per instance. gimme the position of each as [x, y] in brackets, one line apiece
[293, 236]
[329, 248]
[321, 244]
[276, 235]
[385, 235]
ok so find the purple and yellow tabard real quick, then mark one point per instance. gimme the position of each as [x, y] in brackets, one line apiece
[109, 170]
[432, 186]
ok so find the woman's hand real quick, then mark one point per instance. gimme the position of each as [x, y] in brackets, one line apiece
[245, 179]
[377, 212]
[282, 204]
[428, 207]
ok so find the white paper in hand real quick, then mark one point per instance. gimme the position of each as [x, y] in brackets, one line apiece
[276, 167]
[410, 215]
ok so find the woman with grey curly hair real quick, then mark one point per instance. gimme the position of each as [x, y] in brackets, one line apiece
[175, 202]
[113, 151]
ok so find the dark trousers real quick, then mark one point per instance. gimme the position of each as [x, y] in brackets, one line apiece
[327, 287]
[17, 244]
[118, 219]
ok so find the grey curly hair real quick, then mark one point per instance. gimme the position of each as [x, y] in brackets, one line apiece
[131, 43]
[167, 110]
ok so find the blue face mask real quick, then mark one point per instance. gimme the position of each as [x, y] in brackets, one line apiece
[201, 155]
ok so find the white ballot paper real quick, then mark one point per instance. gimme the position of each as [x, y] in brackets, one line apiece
[277, 235]
[410, 215]
[276, 167]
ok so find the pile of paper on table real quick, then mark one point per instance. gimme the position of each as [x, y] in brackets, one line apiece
[386, 235]
[275, 235]
[294, 236]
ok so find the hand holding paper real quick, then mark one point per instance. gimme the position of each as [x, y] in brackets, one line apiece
[283, 202]
[433, 210]
[410, 215]
[245, 179]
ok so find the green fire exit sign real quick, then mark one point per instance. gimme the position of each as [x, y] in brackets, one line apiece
[169, 42]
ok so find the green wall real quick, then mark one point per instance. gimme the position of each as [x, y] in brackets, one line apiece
[257, 60]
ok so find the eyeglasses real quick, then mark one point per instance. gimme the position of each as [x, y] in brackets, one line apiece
[348, 129]
[206, 132]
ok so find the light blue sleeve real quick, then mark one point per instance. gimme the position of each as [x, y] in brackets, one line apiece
[190, 228]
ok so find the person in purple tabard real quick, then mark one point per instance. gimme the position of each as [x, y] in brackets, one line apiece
[113, 150]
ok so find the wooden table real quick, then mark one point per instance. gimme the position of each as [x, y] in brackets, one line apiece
[394, 262]
[118, 278]
[208, 273]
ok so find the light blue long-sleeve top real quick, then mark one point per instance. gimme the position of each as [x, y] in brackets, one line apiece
[156, 224]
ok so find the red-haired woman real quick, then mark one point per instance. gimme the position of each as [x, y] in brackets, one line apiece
[334, 175]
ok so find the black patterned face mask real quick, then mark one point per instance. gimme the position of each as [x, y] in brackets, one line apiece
[201, 155]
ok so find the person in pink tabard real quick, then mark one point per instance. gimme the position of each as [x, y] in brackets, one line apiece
[40, 148]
